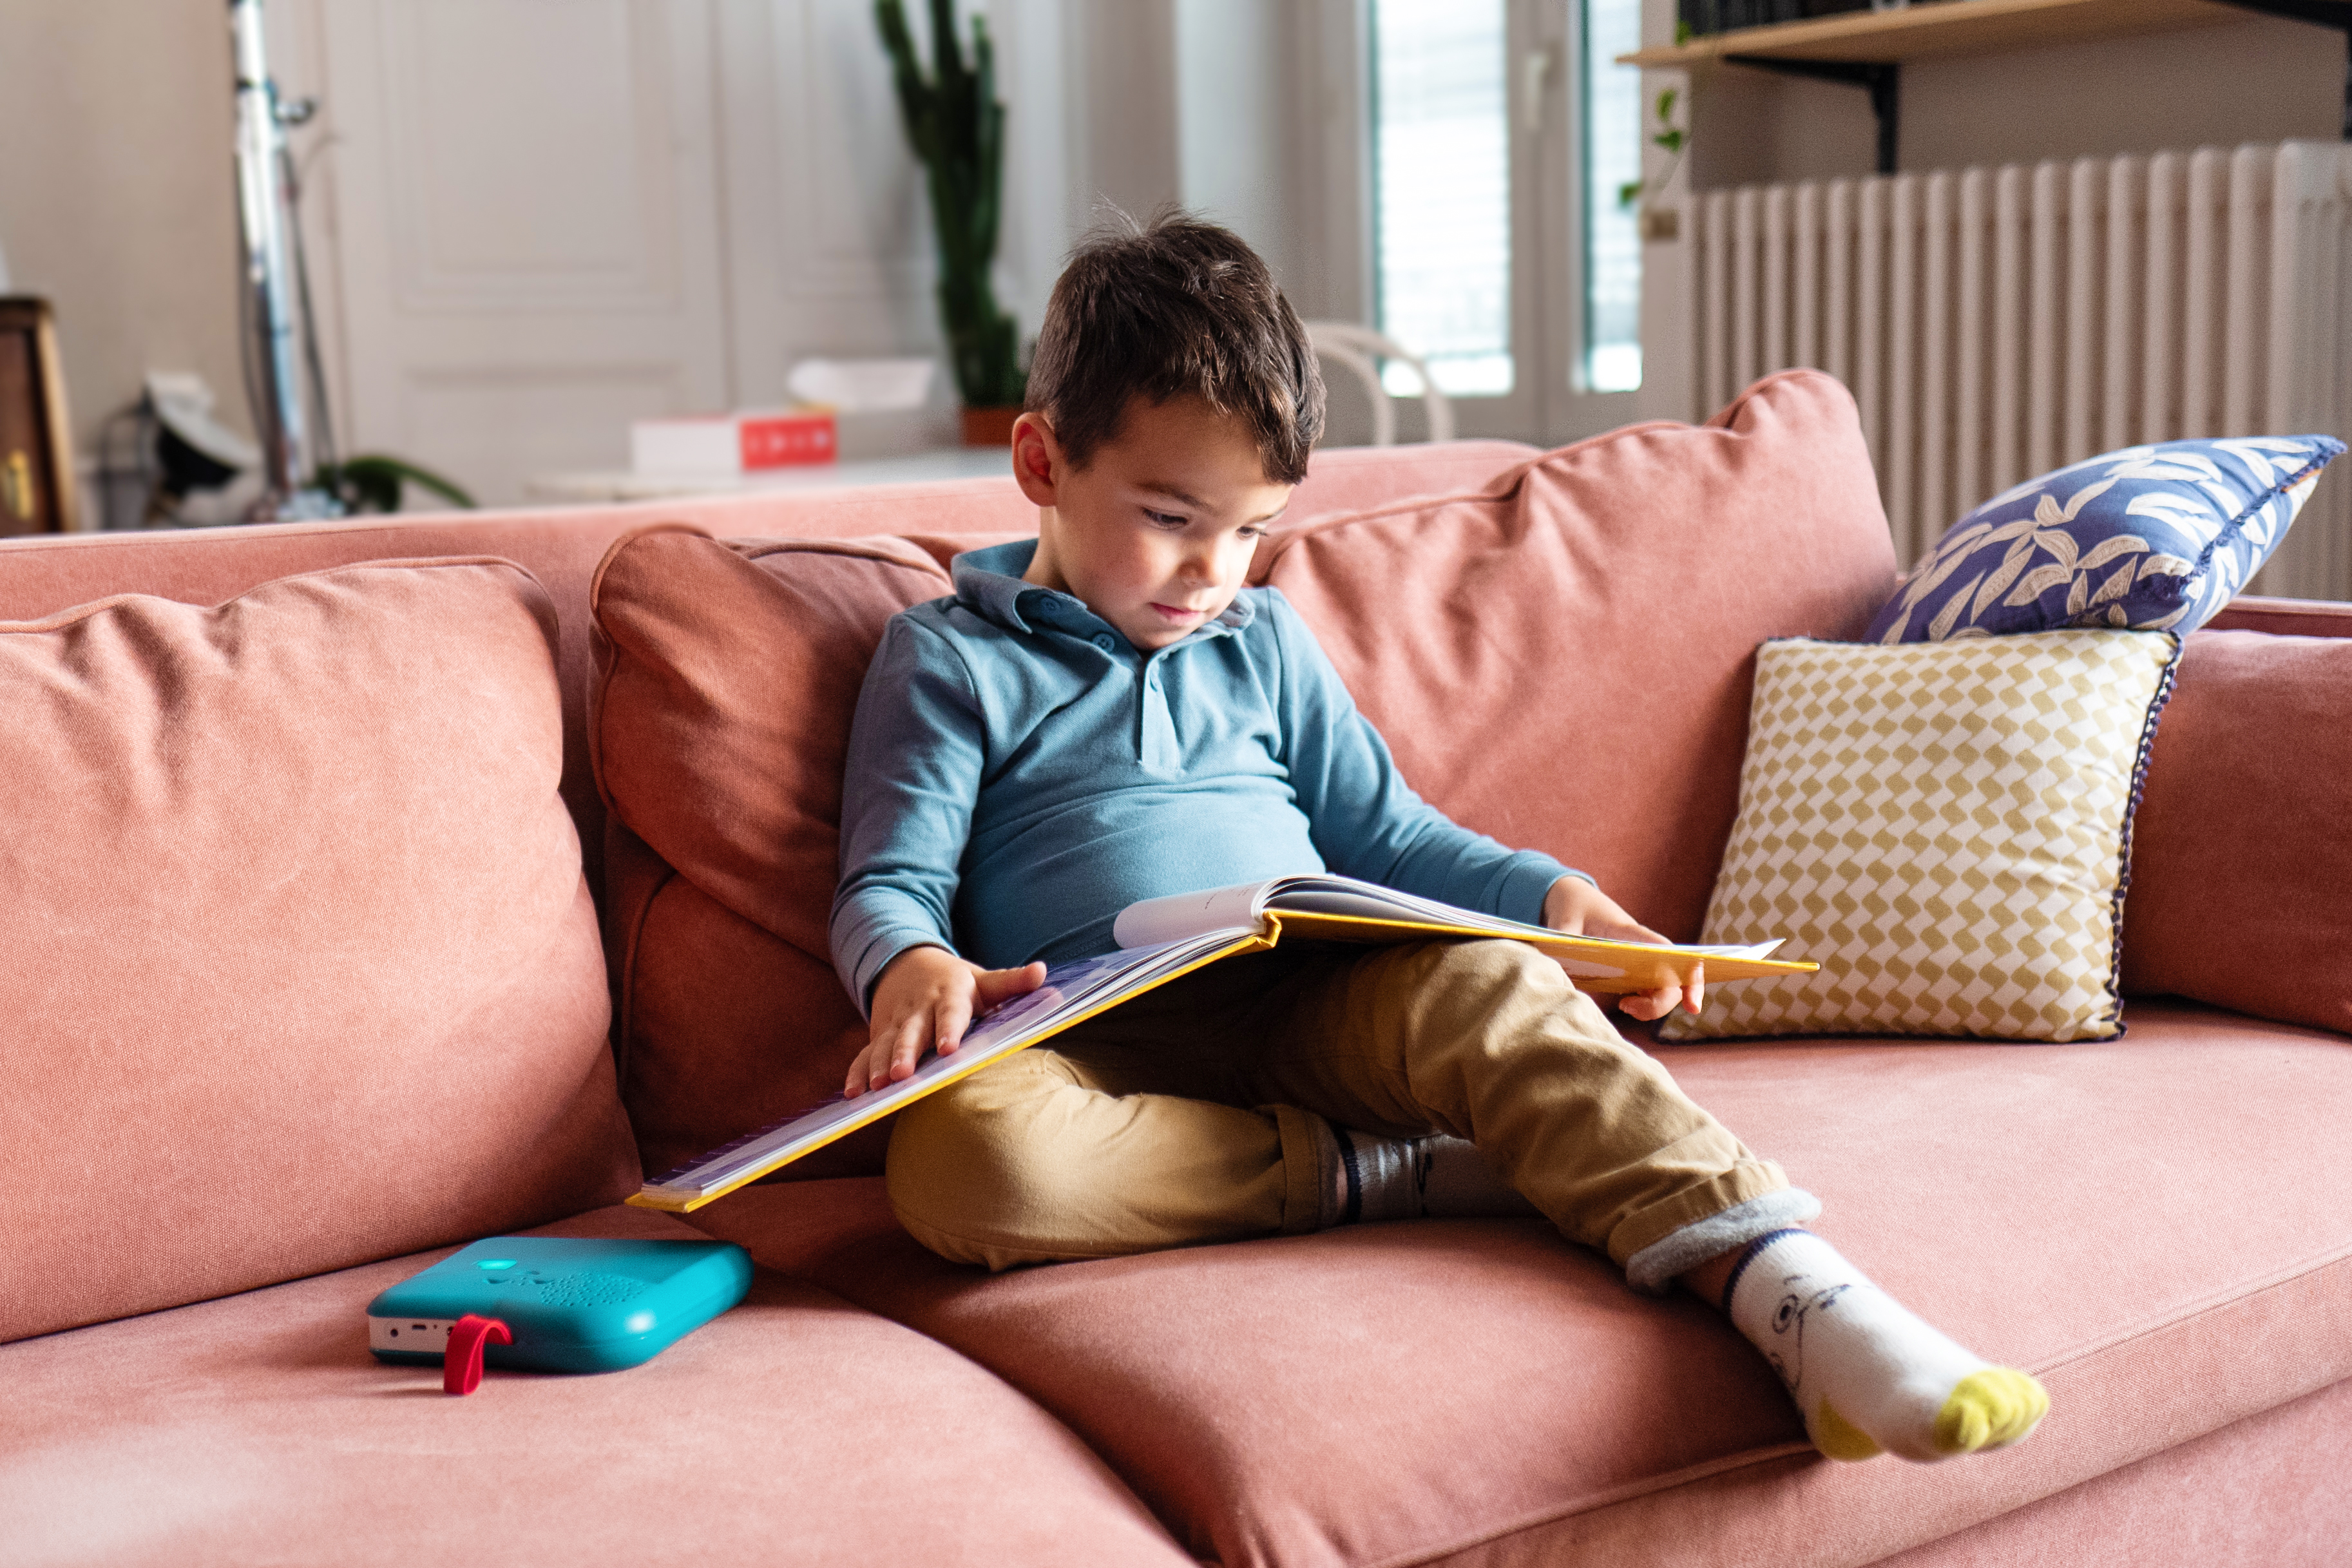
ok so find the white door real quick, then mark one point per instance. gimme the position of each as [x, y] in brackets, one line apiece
[524, 224]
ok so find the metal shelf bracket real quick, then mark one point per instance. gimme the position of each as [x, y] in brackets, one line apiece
[1884, 82]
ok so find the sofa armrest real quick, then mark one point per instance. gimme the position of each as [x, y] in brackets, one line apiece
[2284, 617]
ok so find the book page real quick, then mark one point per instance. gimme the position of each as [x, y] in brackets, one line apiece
[1346, 896]
[1180, 916]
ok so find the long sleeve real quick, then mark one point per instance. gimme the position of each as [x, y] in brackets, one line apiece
[917, 748]
[1367, 821]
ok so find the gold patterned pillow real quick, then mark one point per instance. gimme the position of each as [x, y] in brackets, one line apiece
[1946, 828]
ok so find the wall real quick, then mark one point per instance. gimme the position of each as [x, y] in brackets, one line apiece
[117, 190]
[117, 197]
[2258, 79]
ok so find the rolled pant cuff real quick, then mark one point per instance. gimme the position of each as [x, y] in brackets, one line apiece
[1310, 1158]
[1654, 1269]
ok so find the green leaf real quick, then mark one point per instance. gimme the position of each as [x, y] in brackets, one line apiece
[1683, 33]
[372, 482]
[1666, 104]
[1672, 140]
[956, 127]
[1629, 192]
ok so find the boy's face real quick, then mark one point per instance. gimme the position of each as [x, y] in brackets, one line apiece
[1156, 532]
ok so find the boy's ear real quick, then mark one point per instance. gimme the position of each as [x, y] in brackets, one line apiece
[1037, 460]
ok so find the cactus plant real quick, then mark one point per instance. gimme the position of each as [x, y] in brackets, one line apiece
[957, 128]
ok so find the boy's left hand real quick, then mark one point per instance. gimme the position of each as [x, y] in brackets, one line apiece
[1577, 907]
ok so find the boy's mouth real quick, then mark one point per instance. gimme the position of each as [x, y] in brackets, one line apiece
[1177, 612]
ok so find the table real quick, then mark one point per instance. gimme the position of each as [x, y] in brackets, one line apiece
[948, 463]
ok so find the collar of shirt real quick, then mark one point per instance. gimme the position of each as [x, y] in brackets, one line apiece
[987, 583]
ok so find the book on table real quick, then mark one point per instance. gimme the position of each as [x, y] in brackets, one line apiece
[1162, 939]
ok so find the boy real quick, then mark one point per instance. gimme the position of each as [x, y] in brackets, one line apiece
[1106, 715]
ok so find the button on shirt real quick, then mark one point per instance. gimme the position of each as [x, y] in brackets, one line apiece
[1018, 772]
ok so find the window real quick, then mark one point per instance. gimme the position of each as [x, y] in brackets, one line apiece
[1503, 135]
[1441, 191]
[1612, 164]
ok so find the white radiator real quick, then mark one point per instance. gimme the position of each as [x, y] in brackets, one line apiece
[1997, 323]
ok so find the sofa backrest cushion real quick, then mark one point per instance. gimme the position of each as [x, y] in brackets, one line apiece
[1564, 659]
[726, 677]
[2242, 862]
[301, 969]
[43, 575]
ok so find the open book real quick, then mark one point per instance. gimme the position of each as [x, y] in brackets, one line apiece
[1161, 939]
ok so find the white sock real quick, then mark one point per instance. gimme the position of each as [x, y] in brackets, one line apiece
[1866, 1374]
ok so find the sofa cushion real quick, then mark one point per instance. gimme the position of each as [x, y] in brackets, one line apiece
[727, 675]
[301, 968]
[794, 1429]
[2155, 538]
[1943, 828]
[1563, 659]
[2131, 1220]
[2241, 880]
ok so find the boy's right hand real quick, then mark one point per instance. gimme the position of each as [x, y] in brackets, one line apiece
[924, 1001]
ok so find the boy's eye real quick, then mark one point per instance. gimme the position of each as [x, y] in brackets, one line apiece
[1165, 519]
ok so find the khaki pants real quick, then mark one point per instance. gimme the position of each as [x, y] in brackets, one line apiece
[1183, 1116]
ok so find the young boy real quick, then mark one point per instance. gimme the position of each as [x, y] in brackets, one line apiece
[1106, 715]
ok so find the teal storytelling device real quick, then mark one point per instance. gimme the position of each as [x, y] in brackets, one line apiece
[544, 1303]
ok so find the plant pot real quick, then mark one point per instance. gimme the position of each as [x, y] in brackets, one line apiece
[989, 426]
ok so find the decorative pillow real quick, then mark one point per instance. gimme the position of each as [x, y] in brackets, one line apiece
[300, 969]
[2151, 538]
[1944, 829]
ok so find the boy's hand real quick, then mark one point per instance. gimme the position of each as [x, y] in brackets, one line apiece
[1576, 906]
[924, 1001]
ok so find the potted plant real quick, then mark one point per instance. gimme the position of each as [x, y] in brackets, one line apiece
[957, 128]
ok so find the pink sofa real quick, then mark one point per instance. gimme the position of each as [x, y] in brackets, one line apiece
[2151, 1224]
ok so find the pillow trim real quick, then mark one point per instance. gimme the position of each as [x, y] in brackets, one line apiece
[2113, 1012]
[2228, 532]
[2157, 704]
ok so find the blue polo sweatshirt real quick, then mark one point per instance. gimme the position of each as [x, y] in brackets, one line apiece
[1018, 772]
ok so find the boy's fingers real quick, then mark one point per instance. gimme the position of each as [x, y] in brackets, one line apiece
[955, 1016]
[1651, 1005]
[1003, 984]
[861, 1069]
[885, 1051]
[1695, 997]
[908, 1049]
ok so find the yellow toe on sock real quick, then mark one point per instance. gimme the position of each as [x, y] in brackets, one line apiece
[1989, 1409]
[1839, 1438]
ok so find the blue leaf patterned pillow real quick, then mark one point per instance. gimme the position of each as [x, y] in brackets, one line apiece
[2152, 538]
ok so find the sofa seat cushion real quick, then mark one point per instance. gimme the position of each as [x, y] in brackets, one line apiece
[2133, 1220]
[794, 1429]
[301, 968]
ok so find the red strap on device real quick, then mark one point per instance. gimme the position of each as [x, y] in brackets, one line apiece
[461, 1364]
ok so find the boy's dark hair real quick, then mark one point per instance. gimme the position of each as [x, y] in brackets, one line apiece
[1171, 307]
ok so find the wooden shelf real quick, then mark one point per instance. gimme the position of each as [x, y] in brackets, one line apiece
[1944, 27]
